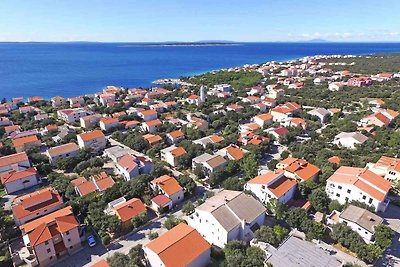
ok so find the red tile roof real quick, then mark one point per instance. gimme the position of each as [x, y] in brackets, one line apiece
[13, 175]
[161, 200]
[180, 246]
[87, 136]
[129, 209]
[167, 184]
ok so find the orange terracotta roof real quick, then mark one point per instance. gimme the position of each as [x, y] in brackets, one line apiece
[167, 184]
[180, 246]
[216, 139]
[267, 177]
[153, 122]
[148, 112]
[370, 190]
[87, 136]
[25, 140]
[390, 163]
[51, 217]
[108, 120]
[129, 209]
[39, 235]
[63, 149]
[264, 117]
[288, 161]
[193, 97]
[161, 200]
[335, 160]
[86, 188]
[13, 175]
[35, 202]
[78, 181]
[152, 138]
[103, 181]
[178, 151]
[235, 152]
[128, 162]
[281, 186]
[101, 263]
[176, 134]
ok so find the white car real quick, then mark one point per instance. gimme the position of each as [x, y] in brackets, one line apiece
[91, 241]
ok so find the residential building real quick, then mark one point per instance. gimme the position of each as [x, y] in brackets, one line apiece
[232, 152]
[349, 140]
[57, 101]
[148, 115]
[27, 142]
[168, 186]
[299, 169]
[171, 154]
[72, 115]
[153, 139]
[107, 123]
[161, 203]
[360, 184]
[51, 237]
[209, 163]
[14, 181]
[377, 119]
[284, 111]
[127, 210]
[175, 137]
[16, 162]
[387, 167]
[62, 151]
[321, 113]
[179, 247]
[36, 204]
[263, 119]
[227, 216]
[272, 185]
[94, 140]
[151, 126]
[211, 139]
[361, 221]
[97, 183]
[91, 121]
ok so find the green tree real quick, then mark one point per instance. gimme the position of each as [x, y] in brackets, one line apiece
[319, 200]
[296, 217]
[171, 222]
[250, 165]
[118, 259]
[188, 208]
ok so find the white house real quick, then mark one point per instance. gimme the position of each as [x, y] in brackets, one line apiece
[62, 151]
[387, 167]
[14, 181]
[272, 185]
[148, 115]
[321, 113]
[360, 184]
[150, 126]
[180, 246]
[349, 140]
[361, 221]
[17, 161]
[209, 163]
[168, 186]
[94, 140]
[72, 115]
[171, 154]
[227, 216]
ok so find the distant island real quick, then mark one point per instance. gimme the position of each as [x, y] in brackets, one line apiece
[182, 44]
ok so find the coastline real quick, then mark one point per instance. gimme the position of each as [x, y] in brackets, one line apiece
[83, 69]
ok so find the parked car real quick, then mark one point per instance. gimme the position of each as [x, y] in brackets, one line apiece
[91, 241]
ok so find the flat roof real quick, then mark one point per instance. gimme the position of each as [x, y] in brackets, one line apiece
[300, 253]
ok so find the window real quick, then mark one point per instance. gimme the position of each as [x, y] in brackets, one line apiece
[48, 250]
[69, 239]
[340, 187]
[263, 186]
[51, 257]
[364, 197]
[338, 195]
[70, 247]
[347, 199]
[46, 243]
[370, 200]
[67, 232]
[348, 191]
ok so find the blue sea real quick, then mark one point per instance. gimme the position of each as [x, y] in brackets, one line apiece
[71, 69]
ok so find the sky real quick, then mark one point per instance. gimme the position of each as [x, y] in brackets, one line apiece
[195, 20]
